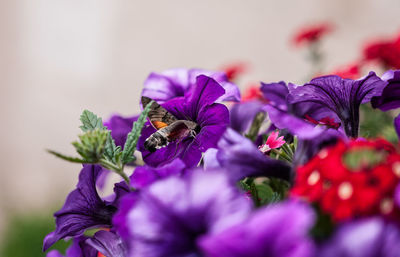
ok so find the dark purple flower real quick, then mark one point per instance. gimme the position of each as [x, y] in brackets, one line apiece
[79, 248]
[293, 117]
[145, 175]
[243, 114]
[120, 127]
[84, 208]
[390, 98]
[279, 230]
[342, 97]
[108, 243]
[364, 238]
[397, 125]
[172, 83]
[170, 215]
[241, 158]
[197, 105]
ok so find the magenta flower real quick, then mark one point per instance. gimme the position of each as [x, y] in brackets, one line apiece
[273, 142]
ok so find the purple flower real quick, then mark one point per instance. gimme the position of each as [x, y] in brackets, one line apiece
[390, 98]
[242, 115]
[241, 158]
[197, 105]
[292, 117]
[145, 175]
[170, 216]
[172, 83]
[397, 125]
[108, 243]
[84, 208]
[120, 127]
[79, 248]
[342, 97]
[279, 230]
[364, 238]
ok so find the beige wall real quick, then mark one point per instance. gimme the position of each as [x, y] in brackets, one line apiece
[61, 56]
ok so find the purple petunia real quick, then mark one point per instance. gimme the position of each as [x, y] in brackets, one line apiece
[79, 248]
[198, 105]
[341, 97]
[170, 216]
[279, 230]
[364, 238]
[145, 175]
[172, 83]
[390, 98]
[241, 158]
[120, 127]
[84, 208]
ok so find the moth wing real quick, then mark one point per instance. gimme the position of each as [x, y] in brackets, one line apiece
[159, 117]
[177, 130]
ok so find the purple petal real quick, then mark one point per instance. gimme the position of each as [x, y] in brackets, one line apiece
[205, 93]
[390, 98]
[278, 230]
[276, 94]
[397, 196]
[145, 175]
[83, 209]
[210, 159]
[241, 158]
[120, 127]
[120, 218]
[108, 243]
[164, 86]
[78, 249]
[167, 222]
[242, 115]
[364, 238]
[296, 126]
[343, 97]
[397, 125]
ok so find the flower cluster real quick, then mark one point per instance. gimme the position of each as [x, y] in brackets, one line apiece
[286, 170]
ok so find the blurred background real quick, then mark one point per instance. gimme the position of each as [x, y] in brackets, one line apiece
[59, 57]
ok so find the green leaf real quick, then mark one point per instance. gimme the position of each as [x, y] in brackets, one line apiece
[66, 158]
[92, 145]
[255, 126]
[133, 136]
[90, 121]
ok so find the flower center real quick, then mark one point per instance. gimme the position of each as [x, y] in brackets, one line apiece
[386, 206]
[345, 190]
[396, 169]
[313, 178]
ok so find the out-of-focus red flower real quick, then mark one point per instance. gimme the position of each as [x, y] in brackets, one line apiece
[252, 92]
[312, 33]
[326, 121]
[235, 69]
[351, 71]
[384, 51]
[352, 180]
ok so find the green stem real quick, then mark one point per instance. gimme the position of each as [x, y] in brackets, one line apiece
[118, 169]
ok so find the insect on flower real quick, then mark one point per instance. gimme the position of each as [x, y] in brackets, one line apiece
[169, 128]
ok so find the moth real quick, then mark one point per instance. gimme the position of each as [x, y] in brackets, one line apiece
[169, 128]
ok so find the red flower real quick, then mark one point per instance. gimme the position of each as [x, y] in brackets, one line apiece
[385, 51]
[252, 92]
[233, 70]
[310, 34]
[351, 180]
[348, 72]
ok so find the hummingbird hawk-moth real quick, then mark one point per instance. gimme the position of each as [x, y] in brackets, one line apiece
[169, 128]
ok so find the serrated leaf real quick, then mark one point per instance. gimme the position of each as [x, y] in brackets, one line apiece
[67, 158]
[90, 121]
[133, 136]
[91, 145]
